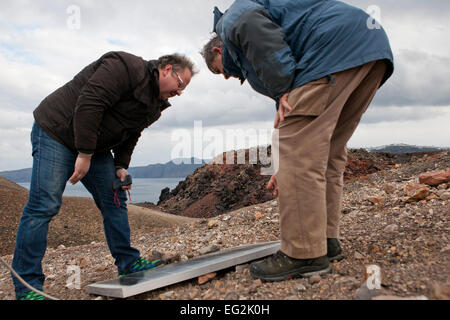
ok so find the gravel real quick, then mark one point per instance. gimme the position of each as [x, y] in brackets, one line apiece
[408, 241]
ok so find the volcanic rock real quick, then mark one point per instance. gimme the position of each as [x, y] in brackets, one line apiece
[435, 178]
[416, 192]
[165, 194]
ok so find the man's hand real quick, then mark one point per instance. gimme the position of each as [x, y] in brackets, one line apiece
[121, 174]
[82, 165]
[284, 105]
[272, 184]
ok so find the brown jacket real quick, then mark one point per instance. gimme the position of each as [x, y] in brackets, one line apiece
[105, 106]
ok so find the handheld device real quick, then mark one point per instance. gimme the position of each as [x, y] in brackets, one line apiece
[117, 183]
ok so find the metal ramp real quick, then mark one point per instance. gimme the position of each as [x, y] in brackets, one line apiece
[148, 280]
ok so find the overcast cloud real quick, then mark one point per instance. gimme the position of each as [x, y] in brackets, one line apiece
[40, 51]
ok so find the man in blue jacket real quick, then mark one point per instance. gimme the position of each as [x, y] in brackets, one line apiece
[322, 61]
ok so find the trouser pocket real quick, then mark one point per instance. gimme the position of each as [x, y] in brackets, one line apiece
[310, 99]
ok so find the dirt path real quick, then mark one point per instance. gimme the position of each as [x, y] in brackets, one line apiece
[137, 213]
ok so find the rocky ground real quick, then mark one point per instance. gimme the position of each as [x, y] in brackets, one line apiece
[390, 219]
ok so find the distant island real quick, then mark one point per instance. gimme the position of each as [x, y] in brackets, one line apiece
[403, 148]
[177, 168]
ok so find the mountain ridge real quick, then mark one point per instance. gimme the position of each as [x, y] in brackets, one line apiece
[176, 168]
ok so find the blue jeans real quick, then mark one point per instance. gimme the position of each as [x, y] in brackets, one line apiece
[53, 165]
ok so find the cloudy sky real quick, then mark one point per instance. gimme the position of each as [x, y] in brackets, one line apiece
[43, 44]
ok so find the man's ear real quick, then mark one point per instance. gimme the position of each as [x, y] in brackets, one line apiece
[217, 50]
[167, 68]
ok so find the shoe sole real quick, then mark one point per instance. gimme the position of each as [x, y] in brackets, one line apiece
[127, 274]
[338, 257]
[292, 275]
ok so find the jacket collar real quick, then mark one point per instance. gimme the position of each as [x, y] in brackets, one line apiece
[154, 89]
[229, 66]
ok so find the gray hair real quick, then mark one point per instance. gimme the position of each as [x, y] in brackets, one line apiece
[207, 51]
[178, 61]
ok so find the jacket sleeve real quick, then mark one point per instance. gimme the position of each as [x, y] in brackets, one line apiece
[262, 42]
[123, 152]
[103, 89]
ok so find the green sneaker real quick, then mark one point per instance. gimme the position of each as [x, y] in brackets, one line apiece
[279, 267]
[30, 295]
[142, 264]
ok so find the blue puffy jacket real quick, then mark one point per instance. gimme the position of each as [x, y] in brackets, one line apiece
[279, 45]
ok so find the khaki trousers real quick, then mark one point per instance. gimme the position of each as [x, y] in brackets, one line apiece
[313, 154]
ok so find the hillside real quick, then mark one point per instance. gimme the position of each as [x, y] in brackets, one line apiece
[389, 219]
[78, 222]
[218, 188]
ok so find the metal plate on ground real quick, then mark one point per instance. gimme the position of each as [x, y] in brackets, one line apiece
[148, 280]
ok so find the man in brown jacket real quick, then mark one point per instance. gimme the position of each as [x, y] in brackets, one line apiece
[104, 107]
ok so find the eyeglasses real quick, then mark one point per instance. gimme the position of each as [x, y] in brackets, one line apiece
[181, 84]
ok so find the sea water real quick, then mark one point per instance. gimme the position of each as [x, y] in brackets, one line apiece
[142, 190]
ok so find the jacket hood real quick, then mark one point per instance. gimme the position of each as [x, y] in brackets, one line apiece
[228, 63]
[217, 16]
